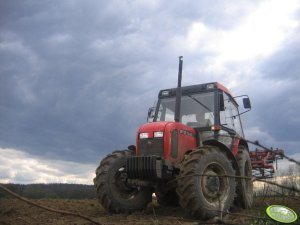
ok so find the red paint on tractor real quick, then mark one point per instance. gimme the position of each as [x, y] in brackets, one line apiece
[186, 140]
[186, 137]
[235, 146]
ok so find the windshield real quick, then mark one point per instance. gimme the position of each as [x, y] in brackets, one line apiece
[196, 109]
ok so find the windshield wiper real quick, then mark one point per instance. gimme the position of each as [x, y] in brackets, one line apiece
[196, 100]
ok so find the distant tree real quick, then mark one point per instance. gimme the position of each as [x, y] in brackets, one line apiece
[54, 191]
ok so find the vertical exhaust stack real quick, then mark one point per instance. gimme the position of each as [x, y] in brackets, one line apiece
[178, 92]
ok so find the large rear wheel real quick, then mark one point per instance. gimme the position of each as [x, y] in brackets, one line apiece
[206, 184]
[245, 186]
[112, 191]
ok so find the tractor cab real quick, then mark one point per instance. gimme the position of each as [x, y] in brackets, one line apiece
[208, 108]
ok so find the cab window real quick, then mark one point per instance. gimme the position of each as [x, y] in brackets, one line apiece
[229, 116]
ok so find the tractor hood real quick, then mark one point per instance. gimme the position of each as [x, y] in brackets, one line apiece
[164, 126]
[150, 128]
[167, 139]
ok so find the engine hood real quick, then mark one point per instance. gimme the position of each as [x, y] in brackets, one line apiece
[151, 127]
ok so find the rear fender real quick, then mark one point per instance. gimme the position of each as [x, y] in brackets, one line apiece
[243, 142]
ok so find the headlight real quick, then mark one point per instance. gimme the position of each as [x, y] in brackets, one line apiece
[210, 86]
[144, 135]
[158, 134]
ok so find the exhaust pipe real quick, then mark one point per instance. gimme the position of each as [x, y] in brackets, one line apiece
[178, 92]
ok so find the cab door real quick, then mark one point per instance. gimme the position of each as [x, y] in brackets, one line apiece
[229, 117]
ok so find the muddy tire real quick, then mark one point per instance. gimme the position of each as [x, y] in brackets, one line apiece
[204, 196]
[167, 198]
[111, 189]
[245, 186]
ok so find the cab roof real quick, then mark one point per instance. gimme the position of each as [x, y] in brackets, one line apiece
[194, 89]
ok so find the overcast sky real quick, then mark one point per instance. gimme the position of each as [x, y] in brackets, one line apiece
[77, 77]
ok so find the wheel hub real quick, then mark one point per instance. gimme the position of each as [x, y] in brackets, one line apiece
[211, 184]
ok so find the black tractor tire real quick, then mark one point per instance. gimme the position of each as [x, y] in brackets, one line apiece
[111, 189]
[167, 198]
[245, 186]
[205, 196]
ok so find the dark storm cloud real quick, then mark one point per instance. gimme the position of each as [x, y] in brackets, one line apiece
[283, 67]
[77, 77]
[276, 98]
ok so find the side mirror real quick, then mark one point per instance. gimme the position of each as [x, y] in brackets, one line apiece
[151, 113]
[247, 103]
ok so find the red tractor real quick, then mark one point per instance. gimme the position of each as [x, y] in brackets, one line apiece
[189, 153]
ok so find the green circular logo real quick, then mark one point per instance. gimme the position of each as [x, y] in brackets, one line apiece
[281, 214]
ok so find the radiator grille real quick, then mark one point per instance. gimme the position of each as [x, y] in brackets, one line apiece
[151, 147]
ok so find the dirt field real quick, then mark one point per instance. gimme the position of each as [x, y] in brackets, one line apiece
[13, 211]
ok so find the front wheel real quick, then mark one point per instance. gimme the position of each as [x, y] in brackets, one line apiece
[206, 183]
[111, 188]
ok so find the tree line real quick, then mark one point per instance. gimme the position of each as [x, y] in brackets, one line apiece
[52, 191]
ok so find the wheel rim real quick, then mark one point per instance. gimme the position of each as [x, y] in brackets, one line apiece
[214, 185]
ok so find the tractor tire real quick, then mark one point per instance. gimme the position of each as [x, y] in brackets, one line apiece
[205, 196]
[169, 198]
[245, 186]
[111, 189]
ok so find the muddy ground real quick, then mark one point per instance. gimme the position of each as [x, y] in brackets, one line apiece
[13, 211]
